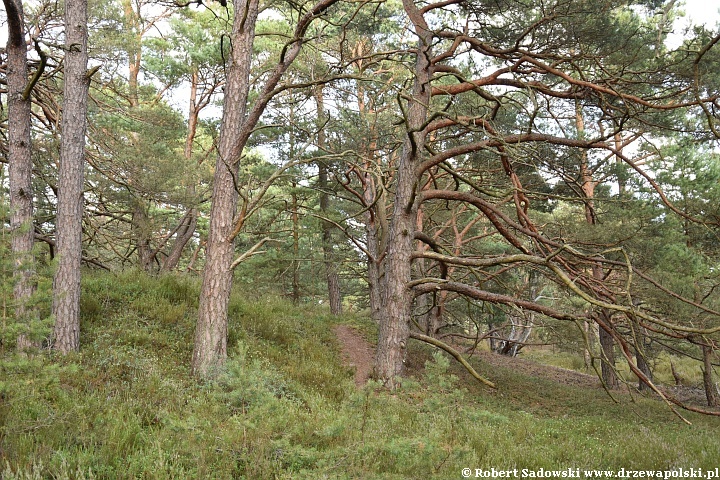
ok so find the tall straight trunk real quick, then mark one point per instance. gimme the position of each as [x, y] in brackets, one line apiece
[210, 347]
[588, 184]
[331, 272]
[20, 166]
[133, 51]
[373, 198]
[66, 284]
[397, 296]
[296, 247]
[375, 215]
[374, 234]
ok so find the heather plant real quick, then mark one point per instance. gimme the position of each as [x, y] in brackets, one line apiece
[284, 406]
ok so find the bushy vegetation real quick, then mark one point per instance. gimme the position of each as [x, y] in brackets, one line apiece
[285, 407]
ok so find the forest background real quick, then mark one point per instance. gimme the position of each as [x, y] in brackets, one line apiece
[525, 177]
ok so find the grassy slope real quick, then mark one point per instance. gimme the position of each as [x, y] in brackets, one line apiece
[125, 408]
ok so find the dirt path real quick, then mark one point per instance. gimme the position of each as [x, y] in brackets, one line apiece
[359, 354]
[356, 351]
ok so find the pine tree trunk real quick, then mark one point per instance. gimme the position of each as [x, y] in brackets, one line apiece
[20, 167]
[296, 248]
[66, 284]
[134, 52]
[607, 344]
[644, 367]
[376, 233]
[711, 389]
[640, 356]
[374, 277]
[189, 222]
[374, 217]
[210, 347]
[609, 376]
[331, 273]
[376, 227]
[141, 229]
[210, 350]
[397, 296]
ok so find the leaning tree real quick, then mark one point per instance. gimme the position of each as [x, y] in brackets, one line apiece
[496, 87]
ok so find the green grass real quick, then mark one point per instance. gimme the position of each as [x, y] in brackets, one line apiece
[688, 369]
[125, 406]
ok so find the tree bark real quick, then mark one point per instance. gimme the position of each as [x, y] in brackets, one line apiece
[331, 273]
[210, 347]
[141, 237]
[640, 358]
[20, 167]
[375, 246]
[189, 222]
[588, 184]
[375, 216]
[66, 284]
[397, 296]
[607, 345]
[711, 389]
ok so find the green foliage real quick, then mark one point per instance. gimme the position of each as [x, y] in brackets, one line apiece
[36, 324]
[192, 45]
[125, 406]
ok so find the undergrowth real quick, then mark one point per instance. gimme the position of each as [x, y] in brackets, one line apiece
[285, 407]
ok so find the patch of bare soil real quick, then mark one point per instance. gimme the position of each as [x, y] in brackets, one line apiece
[530, 368]
[686, 394]
[357, 352]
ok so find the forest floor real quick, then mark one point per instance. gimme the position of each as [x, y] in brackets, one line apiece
[294, 401]
[531, 368]
[359, 354]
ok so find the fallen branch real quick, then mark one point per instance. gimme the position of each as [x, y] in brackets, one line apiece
[444, 346]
